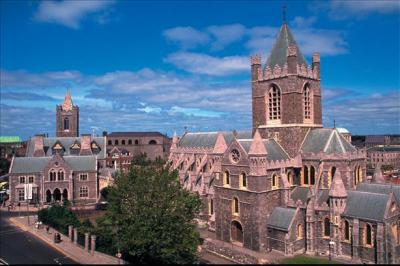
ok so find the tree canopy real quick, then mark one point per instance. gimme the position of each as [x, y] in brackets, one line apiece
[150, 216]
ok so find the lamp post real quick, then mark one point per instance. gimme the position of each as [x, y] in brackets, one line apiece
[331, 243]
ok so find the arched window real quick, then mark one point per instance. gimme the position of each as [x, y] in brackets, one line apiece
[243, 181]
[368, 235]
[136, 142]
[211, 207]
[331, 174]
[305, 175]
[236, 232]
[312, 175]
[226, 178]
[116, 142]
[360, 174]
[274, 103]
[152, 142]
[357, 175]
[123, 142]
[66, 123]
[307, 102]
[299, 231]
[52, 175]
[130, 142]
[290, 178]
[60, 175]
[109, 142]
[235, 206]
[274, 181]
[346, 230]
[327, 227]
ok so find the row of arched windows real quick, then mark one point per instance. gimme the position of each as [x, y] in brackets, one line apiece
[242, 180]
[54, 175]
[367, 235]
[274, 103]
[308, 175]
[123, 142]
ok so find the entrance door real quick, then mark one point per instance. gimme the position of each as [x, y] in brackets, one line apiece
[57, 195]
[65, 194]
[236, 232]
[48, 196]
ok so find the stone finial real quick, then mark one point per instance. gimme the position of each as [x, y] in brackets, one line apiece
[67, 105]
[378, 176]
[337, 188]
[255, 60]
[220, 145]
[257, 145]
[316, 58]
[292, 50]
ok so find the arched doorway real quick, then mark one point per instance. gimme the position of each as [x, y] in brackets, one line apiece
[236, 232]
[48, 196]
[65, 194]
[57, 195]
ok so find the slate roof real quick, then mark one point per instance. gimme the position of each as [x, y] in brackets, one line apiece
[366, 205]
[244, 135]
[25, 165]
[380, 188]
[326, 140]
[279, 51]
[299, 193]
[281, 218]
[203, 139]
[66, 142]
[274, 151]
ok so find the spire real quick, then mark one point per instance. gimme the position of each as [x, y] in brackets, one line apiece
[67, 105]
[337, 188]
[220, 145]
[284, 10]
[279, 52]
[257, 145]
[174, 141]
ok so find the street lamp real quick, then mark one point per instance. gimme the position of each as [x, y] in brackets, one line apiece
[331, 243]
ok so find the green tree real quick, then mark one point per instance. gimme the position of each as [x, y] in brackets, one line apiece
[4, 166]
[150, 216]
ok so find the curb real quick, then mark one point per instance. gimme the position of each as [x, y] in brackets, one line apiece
[26, 229]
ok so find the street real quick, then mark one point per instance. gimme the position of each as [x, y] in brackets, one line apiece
[20, 247]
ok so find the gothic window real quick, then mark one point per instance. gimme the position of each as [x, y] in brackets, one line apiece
[299, 231]
[123, 142]
[327, 227]
[130, 142]
[290, 178]
[274, 103]
[60, 175]
[226, 178]
[368, 235]
[66, 123]
[109, 142]
[83, 192]
[357, 175]
[305, 175]
[307, 102]
[152, 142]
[274, 181]
[52, 175]
[243, 181]
[235, 206]
[312, 175]
[211, 207]
[136, 142]
[331, 174]
[346, 230]
[22, 179]
[116, 142]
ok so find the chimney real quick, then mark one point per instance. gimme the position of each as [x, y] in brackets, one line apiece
[38, 150]
[85, 145]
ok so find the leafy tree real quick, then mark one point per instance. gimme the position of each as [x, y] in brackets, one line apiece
[4, 166]
[150, 216]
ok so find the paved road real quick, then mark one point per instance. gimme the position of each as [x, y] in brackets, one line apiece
[20, 247]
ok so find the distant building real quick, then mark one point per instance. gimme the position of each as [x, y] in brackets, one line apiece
[375, 140]
[345, 133]
[11, 146]
[130, 144]
[384, 155]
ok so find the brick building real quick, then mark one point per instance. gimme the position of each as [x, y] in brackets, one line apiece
[289, 184]
[384, 155]
[64, 167]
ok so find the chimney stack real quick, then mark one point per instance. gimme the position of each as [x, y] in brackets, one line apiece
[85, 145]
[38, 150]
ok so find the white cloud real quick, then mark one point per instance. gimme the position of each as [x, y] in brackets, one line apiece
[194, 112]
[226, 34]
[70, 13]
[209, 65]
[150, 109]
[187, 37]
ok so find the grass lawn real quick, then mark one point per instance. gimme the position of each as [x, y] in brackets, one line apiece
[307, 260]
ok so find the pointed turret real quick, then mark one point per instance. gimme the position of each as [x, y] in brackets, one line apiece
[338, 189]
[284, 45]
[257, 146]
[67, 104]
[220, 145]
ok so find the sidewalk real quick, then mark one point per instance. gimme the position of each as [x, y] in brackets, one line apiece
[66, 247]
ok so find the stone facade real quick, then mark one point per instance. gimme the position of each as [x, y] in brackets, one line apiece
[67, 118]
[289, 184]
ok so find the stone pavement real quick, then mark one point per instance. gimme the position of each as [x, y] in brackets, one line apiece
[66, 247]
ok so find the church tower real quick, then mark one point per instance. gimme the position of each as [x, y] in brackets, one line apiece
[67, 118]
[286, 93]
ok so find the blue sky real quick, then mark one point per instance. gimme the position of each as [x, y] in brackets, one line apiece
[166, 65]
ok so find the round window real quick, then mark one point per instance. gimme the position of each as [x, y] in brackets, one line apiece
[235, 155]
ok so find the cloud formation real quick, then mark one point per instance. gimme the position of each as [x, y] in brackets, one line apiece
[70, 13]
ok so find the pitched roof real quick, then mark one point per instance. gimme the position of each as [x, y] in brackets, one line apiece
[274, 150]
[203, 139]
[299, 193]
[66, 142]
[326, 140]
[22, 165]
[279, 51]
[281, 218]
[380, 189]
[257, 146]
[366, 205]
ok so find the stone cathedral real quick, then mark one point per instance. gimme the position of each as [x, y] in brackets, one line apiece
[289, 184]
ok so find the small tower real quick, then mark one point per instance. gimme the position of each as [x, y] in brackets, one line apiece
[258, 156]
[67, 118]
